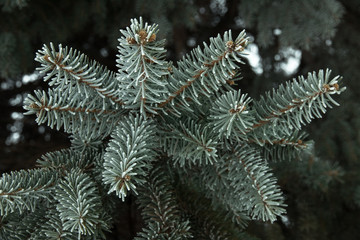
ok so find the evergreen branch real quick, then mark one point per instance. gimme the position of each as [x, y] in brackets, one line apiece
[297, 102]
[22, 190]
[227, 186]
[65, 160]
[128, 155]
[69, 70]
[319, 174]
[53, 228]
[8, 224]
[160, 210]
[281, 152]
[24, 226]
[70, 197]
[275, 144]
[204, 71]
[208, 217]
[154, 232]
[242, 182]
[79, 204]
[278, 146]
[88, 141]
[156, 200]
[188, 143]
[142, 70]
[230, 115]
[48, 107]
[282, 142]
[268, 201]
[58, 109]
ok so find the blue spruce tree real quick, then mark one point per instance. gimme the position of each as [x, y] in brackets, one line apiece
[177, 136]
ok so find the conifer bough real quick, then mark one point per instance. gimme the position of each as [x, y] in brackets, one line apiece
[178, 136]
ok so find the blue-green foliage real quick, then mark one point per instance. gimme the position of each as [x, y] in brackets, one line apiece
[160, 209]
[188, 143]
[231, 109]
[67, 69]
[142, 68]
[79, 204]
[205, 71]
[129, 155]
[296, 103]
[242, 176]
[153, 126]
[22, 190]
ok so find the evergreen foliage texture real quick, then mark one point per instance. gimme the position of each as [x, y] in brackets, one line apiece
[194, 152]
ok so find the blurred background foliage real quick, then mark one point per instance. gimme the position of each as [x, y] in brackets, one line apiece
[289, 38]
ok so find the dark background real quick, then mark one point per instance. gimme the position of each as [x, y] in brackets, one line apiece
[323, 192]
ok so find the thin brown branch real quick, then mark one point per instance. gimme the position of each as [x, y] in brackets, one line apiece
[21, 189]
[46, 107]
[298, 143]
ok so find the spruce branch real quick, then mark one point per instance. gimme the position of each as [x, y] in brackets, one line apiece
[24, 226]
[287, 148]
[208, 217]
[8, 6]
[190, 143]
[128, 155]
[87, 140]
[53, 228]
[154, 231]
[242, 182]
[65, 160]
[160, 209]
[267, 201]
[8, 225]
[230, 114]
[203, 72]
[79, 204]
[296, 103]
[68, 69]
[22, 190]
[142, 68]
[277, 145]
[76, 116]
[124, 140]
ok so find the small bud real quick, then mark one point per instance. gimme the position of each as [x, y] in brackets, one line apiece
[230, 82]
[142, 34]
[230, 45]
[152, 37]
[130, 40]
[34, 106]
